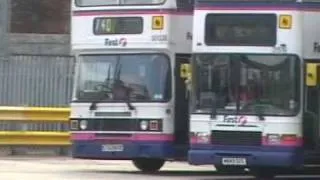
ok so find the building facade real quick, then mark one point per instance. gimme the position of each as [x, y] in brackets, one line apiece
[40, 27]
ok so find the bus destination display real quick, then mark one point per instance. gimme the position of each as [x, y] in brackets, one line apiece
[117, 25]
[241, 29]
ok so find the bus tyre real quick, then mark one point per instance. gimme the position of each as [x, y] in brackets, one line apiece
[264, 173]
[148, 165]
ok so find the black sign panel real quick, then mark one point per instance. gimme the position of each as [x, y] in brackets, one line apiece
[92, 3]
[118, 25]
[241, 29]
[246, 1]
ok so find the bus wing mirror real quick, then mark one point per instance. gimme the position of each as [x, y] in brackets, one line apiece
[312, 73]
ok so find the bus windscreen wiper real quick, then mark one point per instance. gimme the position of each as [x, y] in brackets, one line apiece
[93, 105]
[128, 90]
[128, 100]
[213, 112]
[108, 83]
[258, 109]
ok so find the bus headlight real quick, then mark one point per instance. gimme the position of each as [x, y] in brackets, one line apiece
[273, 139]
[144, 125]
[74, 125]
[83, 124]
[203, 137]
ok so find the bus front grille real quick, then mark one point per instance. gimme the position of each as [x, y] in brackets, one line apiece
[240, 138]
[117, 124]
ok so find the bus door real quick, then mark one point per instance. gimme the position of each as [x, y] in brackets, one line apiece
[311, 129]
[181, 119]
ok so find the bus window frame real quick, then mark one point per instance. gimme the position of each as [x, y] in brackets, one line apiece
[119, 5]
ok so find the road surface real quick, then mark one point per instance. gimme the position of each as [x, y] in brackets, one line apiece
[61, 168]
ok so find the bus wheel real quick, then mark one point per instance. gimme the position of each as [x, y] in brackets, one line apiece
[148, 165]
[263, 173]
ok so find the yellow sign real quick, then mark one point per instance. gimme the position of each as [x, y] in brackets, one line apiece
[157, 22]
[311, 74]
[285, 22]
[185, 70]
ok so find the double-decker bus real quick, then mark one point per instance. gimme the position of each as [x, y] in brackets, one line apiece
[254, 87]
[129, 100]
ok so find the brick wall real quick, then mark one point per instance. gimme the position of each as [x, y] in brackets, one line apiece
[40, 16]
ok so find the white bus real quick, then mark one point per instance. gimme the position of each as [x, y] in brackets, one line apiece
[129, 101]
[252, 106]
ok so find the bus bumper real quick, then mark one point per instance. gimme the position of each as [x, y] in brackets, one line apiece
[254, 156]
[130, 150]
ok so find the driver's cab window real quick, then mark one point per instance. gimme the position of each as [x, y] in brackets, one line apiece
[243, 83]
[138, 77]
[95, 73]
[250, 84]
[133, 76]
[214, 82]
[264, 81]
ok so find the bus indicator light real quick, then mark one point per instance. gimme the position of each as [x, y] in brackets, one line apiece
[154, 125]
[185, 70]
[311, 74]
[285, 22]
[157, 22]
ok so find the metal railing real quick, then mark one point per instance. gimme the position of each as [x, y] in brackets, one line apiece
[34, 126]
[36, 80]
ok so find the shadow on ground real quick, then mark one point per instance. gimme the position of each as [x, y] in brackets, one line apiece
[200, 175]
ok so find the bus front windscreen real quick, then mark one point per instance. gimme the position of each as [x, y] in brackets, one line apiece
[138, 77]
[91, 3]
[243, 83]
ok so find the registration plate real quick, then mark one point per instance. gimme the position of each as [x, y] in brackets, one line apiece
[234, 161]
[112, 148]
